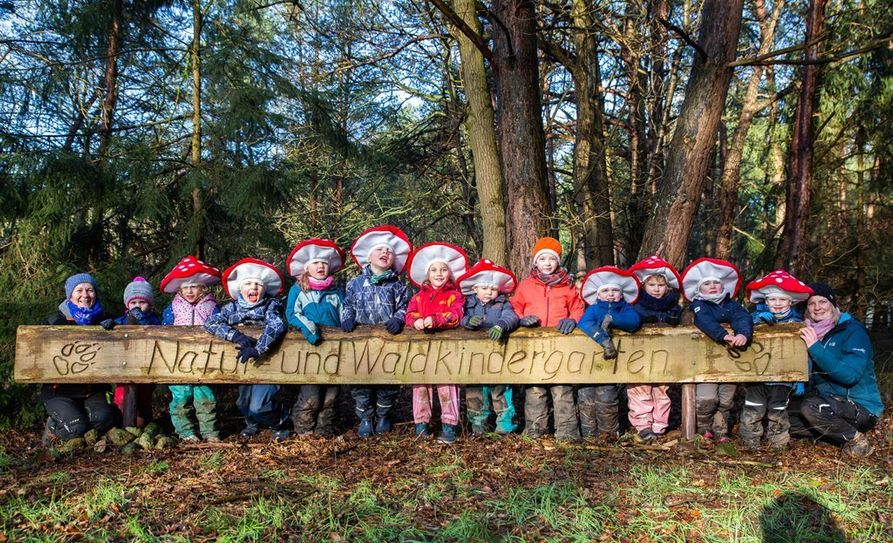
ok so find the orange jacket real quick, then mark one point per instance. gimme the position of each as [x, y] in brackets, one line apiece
[444, 305]
[549, 303]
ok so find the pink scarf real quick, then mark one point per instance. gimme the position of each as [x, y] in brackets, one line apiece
[187, 314]
[316, 284]
[823, 327]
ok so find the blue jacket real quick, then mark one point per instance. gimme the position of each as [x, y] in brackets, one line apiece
[374, 304]
[843, 365]
[652, 309]
[762, 315]
[148, 319]
[266, 313]
[496, 312]
[625, 318]
[305, 310]
[709, 315]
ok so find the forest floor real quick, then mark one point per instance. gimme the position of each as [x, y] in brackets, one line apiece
[398, 488]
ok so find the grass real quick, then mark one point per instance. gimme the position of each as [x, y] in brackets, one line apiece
[448, 501]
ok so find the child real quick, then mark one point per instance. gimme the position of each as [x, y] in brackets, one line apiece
[377, 296]
[314, 301]
[433, 268]
[710, 284]
[609, 291]
[253, 285]
[649, 405]
[485, 287]
[139, 303]
[193, 305]
[73, 409]
[548, 297]
[774, 295]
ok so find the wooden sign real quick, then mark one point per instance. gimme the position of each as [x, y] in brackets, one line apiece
[369, 355]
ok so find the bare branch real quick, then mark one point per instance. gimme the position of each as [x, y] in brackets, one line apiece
[457, 21]
[685, 37]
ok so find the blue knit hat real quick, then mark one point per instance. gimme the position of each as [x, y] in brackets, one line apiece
[76, 280]
[138, 289]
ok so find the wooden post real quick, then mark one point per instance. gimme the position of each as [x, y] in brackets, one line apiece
[128, 406]
[689, 410]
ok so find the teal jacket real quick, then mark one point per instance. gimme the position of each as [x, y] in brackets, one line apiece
[843, 365]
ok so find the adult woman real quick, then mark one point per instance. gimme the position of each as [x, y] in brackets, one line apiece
[844, 400]
[74, 409]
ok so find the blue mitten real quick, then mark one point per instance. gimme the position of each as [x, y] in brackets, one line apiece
[394, 326]
[247, 354]
[348, 325]
[242, 340]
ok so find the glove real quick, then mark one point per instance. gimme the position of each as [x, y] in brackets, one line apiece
[648, 319]
[242, 340]
[766, 318]
[799, 389]
[475, 321]
[348, 324]
[136, 315]
[108, 324]
[566, 326]
[673, 320]
[394, 326]
[312, 339]
[610, 351]
[247, 354]
[530, 322]
[495, 333]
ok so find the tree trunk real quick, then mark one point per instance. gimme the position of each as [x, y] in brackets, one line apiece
[630, 51]
[695, 135]
[521, 129]
[111, 78]
[794, 255]
[481, 128]
[590, 177]
[198, 205]
[731, 174]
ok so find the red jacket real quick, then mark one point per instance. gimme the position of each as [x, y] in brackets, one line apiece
[549, 303]
[444, 304]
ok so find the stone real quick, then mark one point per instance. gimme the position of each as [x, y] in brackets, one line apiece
[119, 437]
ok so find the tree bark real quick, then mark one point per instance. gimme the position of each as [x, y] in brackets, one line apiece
[522, 143]
[731, 174]
[481, 127]
[110, 84]
[695, 135]
[630, 54]
[590, 176]
[794, 255]
[198, 204]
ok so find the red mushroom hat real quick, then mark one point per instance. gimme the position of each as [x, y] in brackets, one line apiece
[485, 272]
[189, 270]
[254, 270]
[388, 235]
[655, 265]
[705, 268]
[610, 276]
[315, 250]
[436, 251]
[778, 282]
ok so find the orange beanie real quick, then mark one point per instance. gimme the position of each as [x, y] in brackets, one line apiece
[547, 245]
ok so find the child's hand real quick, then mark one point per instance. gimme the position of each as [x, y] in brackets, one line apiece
[419, 324]
[247, 354]
[809, 336]
[566, 326]
[348, 325]
[530, 321]
[107, 324]
[394, 326]
[242, 340]
[495, 333]
[475, 321]
[736, 340]
[429, 322]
